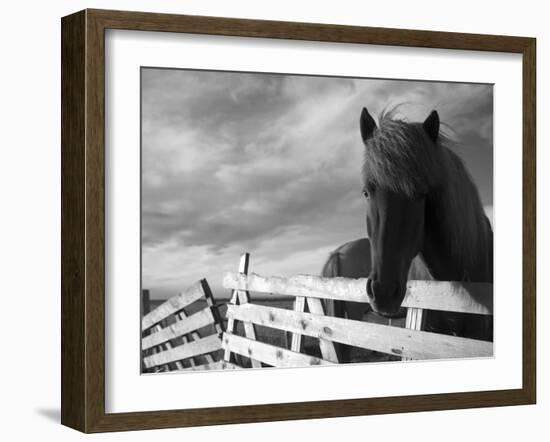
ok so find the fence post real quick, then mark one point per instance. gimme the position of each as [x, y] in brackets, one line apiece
[218, 323]
[414, 321]
[145, 302]
[240, 297]
[186, 338]
[328, 350]
[145, 308]
[299, 306]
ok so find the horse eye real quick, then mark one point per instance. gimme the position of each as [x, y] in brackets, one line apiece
[368, 190]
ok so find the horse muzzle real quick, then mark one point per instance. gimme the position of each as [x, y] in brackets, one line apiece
[385, 298]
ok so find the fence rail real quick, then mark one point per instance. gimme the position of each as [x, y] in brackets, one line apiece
[462, 297]
[190, 350]
[391, 340]
[180, 328]
[267, 353]
[406, 343]
[172, 340]
[173, 305]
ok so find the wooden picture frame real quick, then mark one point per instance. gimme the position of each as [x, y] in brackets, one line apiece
[83, 220]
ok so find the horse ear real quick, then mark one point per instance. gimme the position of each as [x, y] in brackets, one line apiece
[431, 126]
[367, 124]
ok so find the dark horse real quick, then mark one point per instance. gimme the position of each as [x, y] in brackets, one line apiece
[421, 205]
[353, 260]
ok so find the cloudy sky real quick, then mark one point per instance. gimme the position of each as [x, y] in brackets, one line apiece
[270, 164]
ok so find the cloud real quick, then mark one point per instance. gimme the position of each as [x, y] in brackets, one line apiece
[270, 164]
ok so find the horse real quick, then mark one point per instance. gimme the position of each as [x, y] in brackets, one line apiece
[353, 260]
[421, 203]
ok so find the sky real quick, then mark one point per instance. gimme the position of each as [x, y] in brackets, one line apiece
[270, 164]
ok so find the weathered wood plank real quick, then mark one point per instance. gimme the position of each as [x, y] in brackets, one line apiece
[414, 321]
[391, 340]
[244, 263]
[211, 302]
[173, 305]
[242, 297]
[299, 306]
[182, 315]
[189, 324]
[327, 347]
[268, 354]
[329, 307]
[165, 346]
[465, 297]
[205, 345]
[219, 365]
[217, 320]
[231, 325]
[195, 336]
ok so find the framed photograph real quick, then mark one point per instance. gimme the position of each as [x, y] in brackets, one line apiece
[268, 220]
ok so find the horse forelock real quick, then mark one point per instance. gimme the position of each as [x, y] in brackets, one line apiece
[401, 157]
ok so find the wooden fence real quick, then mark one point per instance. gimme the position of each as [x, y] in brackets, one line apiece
[187, 333]
[407, 343]
[173, 339]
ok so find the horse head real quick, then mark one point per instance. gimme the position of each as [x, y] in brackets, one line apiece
[398, 175]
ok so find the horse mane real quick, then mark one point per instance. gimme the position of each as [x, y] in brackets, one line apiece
[402, 158]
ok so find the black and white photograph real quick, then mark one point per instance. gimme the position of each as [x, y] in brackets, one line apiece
[300, 220]
[275, 221]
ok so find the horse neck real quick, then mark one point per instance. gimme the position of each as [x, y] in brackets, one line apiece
[458, 239]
